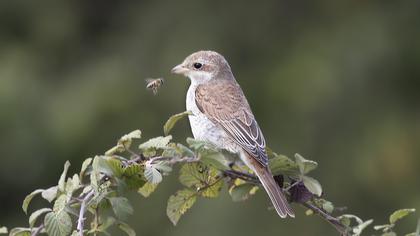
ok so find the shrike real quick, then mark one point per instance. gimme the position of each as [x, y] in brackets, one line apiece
[223, 117]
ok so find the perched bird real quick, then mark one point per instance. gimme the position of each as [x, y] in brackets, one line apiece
[223, 117]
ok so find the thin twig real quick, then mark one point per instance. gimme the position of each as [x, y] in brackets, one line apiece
[38, 230]
[81, 218]
[342, 229]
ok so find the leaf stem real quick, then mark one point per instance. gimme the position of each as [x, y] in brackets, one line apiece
[82, 211]
[38, 230]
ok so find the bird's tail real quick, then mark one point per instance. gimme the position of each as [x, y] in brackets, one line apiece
[274, 192]
[271, 187]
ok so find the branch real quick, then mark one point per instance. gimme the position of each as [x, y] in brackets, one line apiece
[38, 230]
[342, 229]
[81, 218]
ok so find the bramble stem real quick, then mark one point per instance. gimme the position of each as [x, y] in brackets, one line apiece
[82, 211]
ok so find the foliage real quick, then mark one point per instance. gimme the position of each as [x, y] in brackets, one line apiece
[81, 204]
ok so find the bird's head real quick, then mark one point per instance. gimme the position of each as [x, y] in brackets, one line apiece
[204, 66]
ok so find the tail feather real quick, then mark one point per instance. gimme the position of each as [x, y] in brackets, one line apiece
[274, 192]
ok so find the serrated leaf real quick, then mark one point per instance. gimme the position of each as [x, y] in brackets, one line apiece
[305, 166]
[126, 229]
[85, 165]
[214, 158]
[152, 174]
[34, 216]
[115, 167]
[58, 223]
[124, 142]
[179, 203]
[121, 207]
[134, 169]
[3, 230]
[202, 178]
[60, 203]
[242, 192]
[312, 185]
[399, 214]
[20, 231]
[359, 228]
[280, 164]
[50, 194]
[173, 120]
[147, 189]
[28, 199]
[62, 181]
[162, 166]
[156, 143]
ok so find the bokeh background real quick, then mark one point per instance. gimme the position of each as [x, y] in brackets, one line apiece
[337, 81]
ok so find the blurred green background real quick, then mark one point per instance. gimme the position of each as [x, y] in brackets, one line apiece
[337, 81]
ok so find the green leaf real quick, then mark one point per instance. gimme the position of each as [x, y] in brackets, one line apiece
[85, 165]
[28, 199]
[242, 192]
[3, 230]
[147, 189]
[115, 166]
[127, 139]
[214, 158]
[58, 223]
[173, 120]
[105, 224]
[280, 164]
[179, 203]
[399, 214]
[198, 144]
[359, 228]
[312, 185]
[309, 212]
[328, 206]
[126, 229]
[384, 228]
[72, 185]
[62, 181]
[34, 216]
[50, 194]
[156, 143]
[20, 231]
[121, 207]
[152, 174]
[60, 203]
[305, 166]
[162, 166]
[131, 170]
[204, 179]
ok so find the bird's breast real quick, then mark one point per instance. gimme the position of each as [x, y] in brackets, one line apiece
[203, 128]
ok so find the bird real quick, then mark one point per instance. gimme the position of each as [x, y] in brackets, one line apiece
[222, 116]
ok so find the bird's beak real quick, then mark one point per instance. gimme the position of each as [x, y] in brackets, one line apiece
[179, 69]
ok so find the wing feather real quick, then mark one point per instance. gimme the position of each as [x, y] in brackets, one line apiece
[224, 103]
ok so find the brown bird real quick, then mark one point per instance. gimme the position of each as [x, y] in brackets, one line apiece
[223, 117]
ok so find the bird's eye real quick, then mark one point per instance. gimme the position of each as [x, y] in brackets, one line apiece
[197, 65]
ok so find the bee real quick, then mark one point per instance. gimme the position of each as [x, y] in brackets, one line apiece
[154, 84]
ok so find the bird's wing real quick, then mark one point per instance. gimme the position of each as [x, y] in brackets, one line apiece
[224, 103]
